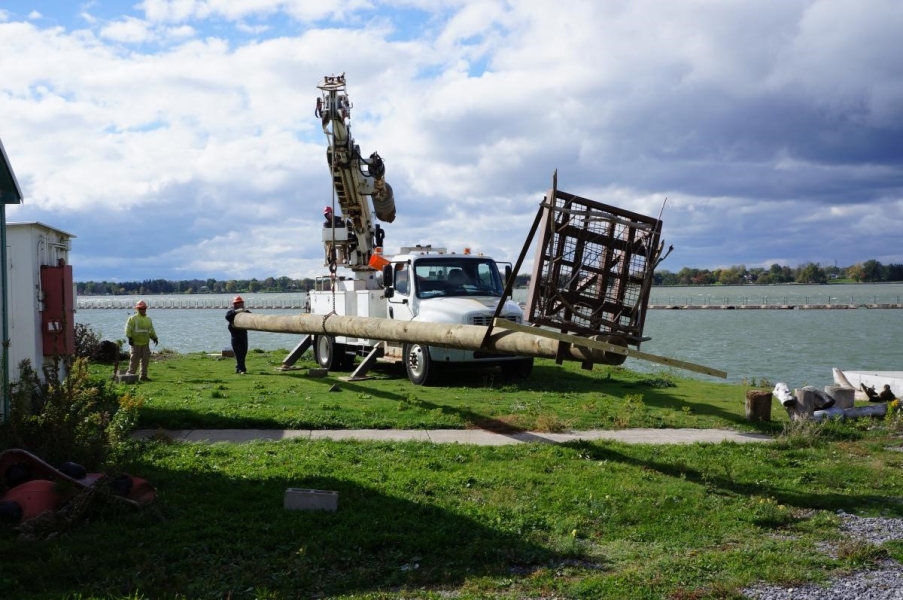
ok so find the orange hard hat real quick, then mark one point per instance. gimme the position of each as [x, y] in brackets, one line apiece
[237, 300]
[141, 304]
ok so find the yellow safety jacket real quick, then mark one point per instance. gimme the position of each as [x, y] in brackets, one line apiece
[140, 330]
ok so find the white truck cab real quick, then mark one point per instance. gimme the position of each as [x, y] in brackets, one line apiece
[420, 284]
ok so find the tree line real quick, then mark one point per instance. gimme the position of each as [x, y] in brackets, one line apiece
[871, 271]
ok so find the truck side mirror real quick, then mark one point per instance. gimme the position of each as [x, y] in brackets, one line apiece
[389, 280]
[508, 272]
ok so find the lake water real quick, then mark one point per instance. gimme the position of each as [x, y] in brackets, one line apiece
[798, 347]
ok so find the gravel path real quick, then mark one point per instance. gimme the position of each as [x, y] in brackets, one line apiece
[883, 582]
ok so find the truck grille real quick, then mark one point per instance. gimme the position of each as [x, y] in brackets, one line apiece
[486, 320]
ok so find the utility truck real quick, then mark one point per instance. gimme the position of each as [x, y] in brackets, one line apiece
[421, 283]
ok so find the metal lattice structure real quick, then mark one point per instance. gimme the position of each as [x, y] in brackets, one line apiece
[593, 268]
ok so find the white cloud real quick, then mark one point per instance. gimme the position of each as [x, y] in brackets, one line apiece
[194, 118]
[130, 30]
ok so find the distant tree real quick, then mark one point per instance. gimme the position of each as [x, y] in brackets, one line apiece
[872, 271]
[894, 272]
[811, 273]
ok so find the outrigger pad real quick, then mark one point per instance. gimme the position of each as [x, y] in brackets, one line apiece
[33, 483]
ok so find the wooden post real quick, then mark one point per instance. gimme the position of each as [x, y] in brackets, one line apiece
[805, 404]
[758, 405]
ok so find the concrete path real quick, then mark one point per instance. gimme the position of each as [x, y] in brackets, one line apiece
[461, 436]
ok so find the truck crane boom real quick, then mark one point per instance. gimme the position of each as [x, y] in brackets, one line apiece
[351, 240]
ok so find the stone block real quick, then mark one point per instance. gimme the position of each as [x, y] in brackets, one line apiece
[303, 499]
[317, 372]
[126, 378]
[228, 353]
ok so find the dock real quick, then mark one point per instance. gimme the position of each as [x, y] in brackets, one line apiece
[728, 306]
[128, 303]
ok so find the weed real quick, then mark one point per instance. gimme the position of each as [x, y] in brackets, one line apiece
[657, 382]
[767, 512]
[75, 418]
[752, 382]
[550, 424]
[860, 553]
[803, 433]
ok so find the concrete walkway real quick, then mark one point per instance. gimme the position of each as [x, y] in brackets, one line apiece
[461, 436]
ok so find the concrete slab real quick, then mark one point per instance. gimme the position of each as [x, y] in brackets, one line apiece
[672, 436]
[304, 499]
[175, 434]
[213, 436]
[460, 436]
[470, 436]
[383, 435]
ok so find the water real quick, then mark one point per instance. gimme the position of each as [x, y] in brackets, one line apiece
[798, 347]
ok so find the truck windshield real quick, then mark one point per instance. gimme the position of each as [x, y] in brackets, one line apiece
[450, 277]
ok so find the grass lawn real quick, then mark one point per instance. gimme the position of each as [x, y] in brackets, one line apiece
[419, 520]
[199, 391]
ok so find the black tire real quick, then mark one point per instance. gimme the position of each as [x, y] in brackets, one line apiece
[345, 362]
[418, 364]
[517, 369]
[328, 354]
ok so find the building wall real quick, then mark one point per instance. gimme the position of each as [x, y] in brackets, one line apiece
[29, 246]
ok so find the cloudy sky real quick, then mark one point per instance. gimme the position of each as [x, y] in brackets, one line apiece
[177, 139]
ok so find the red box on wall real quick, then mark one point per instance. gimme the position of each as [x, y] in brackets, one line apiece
[58, 316]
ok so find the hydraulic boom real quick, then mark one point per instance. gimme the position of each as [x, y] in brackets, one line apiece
[351, 239]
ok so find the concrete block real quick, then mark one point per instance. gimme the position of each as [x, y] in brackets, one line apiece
[317, 372]
[302, 499]
[843, 396]
[126, 378]
[228, 353]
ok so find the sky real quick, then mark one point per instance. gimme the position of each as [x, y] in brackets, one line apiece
[176, 139]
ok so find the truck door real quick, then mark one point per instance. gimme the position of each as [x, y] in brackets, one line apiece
[401, 304]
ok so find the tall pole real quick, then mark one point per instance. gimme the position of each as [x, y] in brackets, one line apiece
[447, 335]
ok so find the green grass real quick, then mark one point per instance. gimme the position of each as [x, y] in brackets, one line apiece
[419, 520]
[200, 391]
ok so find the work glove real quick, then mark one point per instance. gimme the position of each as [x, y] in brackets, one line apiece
[131, 343]
[156, 341]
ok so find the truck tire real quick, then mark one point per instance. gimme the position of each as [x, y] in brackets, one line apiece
[328, 354]
[418, 364]
[517, 369]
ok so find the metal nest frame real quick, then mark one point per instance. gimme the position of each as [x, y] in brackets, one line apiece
[593, 268]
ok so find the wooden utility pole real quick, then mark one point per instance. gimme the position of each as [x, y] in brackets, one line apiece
[447, 335]
[506, 338]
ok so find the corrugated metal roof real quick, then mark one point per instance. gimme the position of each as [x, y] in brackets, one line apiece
[10, 191]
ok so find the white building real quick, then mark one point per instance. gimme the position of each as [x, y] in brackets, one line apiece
[41, 295]
[10, 193]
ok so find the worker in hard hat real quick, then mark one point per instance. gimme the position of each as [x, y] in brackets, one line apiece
[330, 219]
[139, 330]
[239, 336]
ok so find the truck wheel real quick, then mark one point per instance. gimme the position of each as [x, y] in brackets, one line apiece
[328, 353]
[517, 369]
[418, 365]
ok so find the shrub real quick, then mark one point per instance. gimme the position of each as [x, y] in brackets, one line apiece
[87, 342]
[74, 419]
